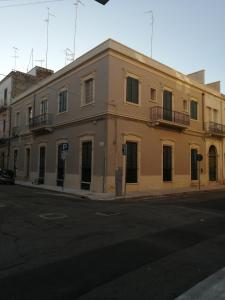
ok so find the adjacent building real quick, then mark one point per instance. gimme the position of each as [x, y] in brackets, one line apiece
[116, 119]
[12, 86]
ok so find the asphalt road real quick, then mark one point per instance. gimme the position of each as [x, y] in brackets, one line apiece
[54, 246]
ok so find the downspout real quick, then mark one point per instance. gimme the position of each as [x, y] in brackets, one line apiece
[203, 129]
[221, 112]
[203, 111]
[9, 135]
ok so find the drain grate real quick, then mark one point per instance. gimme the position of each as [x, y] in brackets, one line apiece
[53, 216]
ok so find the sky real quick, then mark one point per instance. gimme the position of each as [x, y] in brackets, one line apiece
[189, 35]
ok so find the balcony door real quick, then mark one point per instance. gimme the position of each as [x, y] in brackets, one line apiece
[42, 165]
[167, 105]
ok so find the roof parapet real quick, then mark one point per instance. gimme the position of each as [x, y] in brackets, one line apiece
[216, 86]
[198, 76]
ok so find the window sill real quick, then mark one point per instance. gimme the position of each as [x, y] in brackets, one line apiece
[61, 113]
[87, 104]
[132, 104]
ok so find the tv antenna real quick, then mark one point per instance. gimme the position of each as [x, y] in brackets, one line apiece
[150, 12]
[68, 55]
[47, 28]
[15, 56]
[76, 4]
[41, 61]
[31, 60]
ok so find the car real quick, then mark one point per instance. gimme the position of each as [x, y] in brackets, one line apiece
[7, 176]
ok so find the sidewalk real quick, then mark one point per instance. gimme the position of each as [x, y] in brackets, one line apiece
[131, 195]
[212, 288]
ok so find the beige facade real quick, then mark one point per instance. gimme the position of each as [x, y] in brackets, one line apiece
[73, 126]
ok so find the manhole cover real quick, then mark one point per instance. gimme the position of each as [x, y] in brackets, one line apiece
[107, 213]
[53, 216]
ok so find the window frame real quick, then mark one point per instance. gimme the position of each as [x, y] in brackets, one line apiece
[136, 78]
[63, 90]
[42, 101]
[91, 76]
[191, 116]
[5, 100]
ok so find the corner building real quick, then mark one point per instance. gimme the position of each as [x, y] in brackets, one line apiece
[113, 101]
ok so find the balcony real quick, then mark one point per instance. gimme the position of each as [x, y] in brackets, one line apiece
[41, 123]
[3, 108]
[15, 132]
[3, 139]
[215, 129]
[160, 116]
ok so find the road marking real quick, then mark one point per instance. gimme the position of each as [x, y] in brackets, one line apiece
[107, 214]
[58, 194]
[53, 216]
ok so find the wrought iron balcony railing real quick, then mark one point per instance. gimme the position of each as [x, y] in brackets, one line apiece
[43, 121]
[215, 128]
[160, 115]
[3, 138]
[3, 108]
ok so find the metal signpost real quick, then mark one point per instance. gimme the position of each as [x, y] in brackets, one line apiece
[199, 158]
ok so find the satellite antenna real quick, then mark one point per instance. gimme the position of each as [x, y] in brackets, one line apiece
[31, 60]
[15, 56]
[47, 27]
[150, 12]
[41, 61]
[75, 26]
[68, 55]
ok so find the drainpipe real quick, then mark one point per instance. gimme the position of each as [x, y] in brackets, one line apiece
[221, 112]
[9, 135]
[203, 111]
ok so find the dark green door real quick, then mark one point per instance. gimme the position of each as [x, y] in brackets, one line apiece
[42, 165]
[212, 163]
[61, 166]
[86, 168]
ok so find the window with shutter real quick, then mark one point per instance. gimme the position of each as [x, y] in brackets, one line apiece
[132, 94]
[194, 110]
[89, 91]
[63, 101]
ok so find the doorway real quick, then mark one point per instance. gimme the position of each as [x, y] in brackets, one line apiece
[42, 154]
[60, 166]
[27, 174]
[212, 163]
[86, 166]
